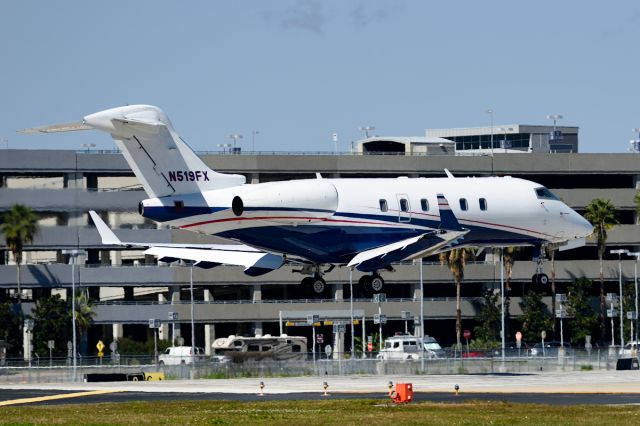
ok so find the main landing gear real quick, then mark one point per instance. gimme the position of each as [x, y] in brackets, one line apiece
[539, 277]
[373, 283]
[316, 285]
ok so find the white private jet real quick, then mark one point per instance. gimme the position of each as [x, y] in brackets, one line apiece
[366, 224]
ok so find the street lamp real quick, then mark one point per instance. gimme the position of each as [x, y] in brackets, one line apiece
[253, 139]
[635, 143]
[366, 130]
[555, 118]
[193, 333]
[490, 112]
[73, 254]
[620, 253]
[502, 300]
[235, 137]
[88, 146]
[635, 281]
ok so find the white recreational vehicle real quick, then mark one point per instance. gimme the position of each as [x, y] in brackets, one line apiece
[240, 348]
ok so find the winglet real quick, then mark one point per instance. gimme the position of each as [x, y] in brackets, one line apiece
[107, 235]
[447, 219]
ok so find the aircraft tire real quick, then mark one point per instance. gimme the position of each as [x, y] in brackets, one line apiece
[543, 279]
[365, 283]
[318, 285]
[377, 283]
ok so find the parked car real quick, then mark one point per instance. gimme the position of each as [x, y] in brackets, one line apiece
[176, 355]
[401, 347]
[432, 348]
[629, 350]
[550, 349]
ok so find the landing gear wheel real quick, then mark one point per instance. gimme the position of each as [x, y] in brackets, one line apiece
[377, 283]
[365, 283]
[314, 285]
[318, 285]
[540, 279]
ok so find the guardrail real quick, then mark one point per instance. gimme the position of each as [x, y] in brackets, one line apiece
[60, 370]
[279, 301]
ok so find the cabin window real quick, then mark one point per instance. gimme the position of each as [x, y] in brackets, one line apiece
[464, 206]
[237, 343]
[296, 348]
[483, 204]
[266, 348]
[404, 205]
[253, 348]
[396, 345]
[383, 205]
[545, 194]
[424, 203]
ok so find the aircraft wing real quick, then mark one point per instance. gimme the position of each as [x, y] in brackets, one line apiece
[411, 248]
[206, 256]
[422, 245]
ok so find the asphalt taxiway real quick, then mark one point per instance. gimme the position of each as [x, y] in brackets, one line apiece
[564, 388]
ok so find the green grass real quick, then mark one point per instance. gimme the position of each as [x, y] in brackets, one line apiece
[309, 413]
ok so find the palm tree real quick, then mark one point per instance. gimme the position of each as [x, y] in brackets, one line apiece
[84, 316]
[456, 260]
[508, 258]
[602, 215]
[19, 226]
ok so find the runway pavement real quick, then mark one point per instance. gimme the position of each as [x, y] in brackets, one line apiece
[598, 387]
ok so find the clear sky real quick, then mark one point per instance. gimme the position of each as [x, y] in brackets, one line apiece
[297, 71]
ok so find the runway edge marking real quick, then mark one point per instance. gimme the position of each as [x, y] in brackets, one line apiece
[55, 397]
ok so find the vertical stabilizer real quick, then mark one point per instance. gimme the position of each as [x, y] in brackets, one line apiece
[160, 159]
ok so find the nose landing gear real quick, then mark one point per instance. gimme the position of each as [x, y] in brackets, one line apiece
[539, 277]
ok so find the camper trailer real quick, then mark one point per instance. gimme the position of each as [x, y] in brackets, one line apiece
[240, 348]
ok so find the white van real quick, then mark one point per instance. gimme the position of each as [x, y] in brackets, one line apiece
[177, 355]
[401, 348]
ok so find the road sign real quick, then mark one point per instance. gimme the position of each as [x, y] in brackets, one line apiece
[100, 346]
[173, 316]
[51, 344]
[612, 313]
[312, 319]
[561, 313]
[379, 298]
[339, 328]
[327, 350]
[518, 336]
[319, 338]
[612, 297]
[379, 319]
[632, 315]
[561, 298]
[154, 323]
[467, 334]
[370, 346]
[405, 315]
[113, 346]
[543, 334]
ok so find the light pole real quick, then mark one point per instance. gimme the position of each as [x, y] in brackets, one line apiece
[421, 316]
[366, 130]
[235, 137]
[635, 143]
[555, 118]
[502, 300]
[88, 146]
[193, 332]
[73, 254]
[353, 347]
[561, 298]
[620, 253]
[334, 137]
[490, 112]
[635, 282]
[253, 139]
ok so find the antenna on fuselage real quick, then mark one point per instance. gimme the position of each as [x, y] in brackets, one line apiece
[449, 174]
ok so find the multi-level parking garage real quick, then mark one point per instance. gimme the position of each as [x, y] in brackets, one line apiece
[61, 186]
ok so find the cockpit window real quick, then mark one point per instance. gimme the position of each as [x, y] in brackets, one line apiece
[544, 194]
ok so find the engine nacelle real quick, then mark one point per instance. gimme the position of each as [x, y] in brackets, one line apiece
[283, 201]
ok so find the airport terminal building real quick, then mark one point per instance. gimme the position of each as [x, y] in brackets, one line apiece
[130, 288]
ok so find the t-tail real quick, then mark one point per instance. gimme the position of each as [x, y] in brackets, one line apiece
[160, 159]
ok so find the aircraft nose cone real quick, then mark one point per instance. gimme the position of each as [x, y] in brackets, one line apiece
[584, 228]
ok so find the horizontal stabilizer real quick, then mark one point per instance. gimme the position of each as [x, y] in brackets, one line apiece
[55, 128]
